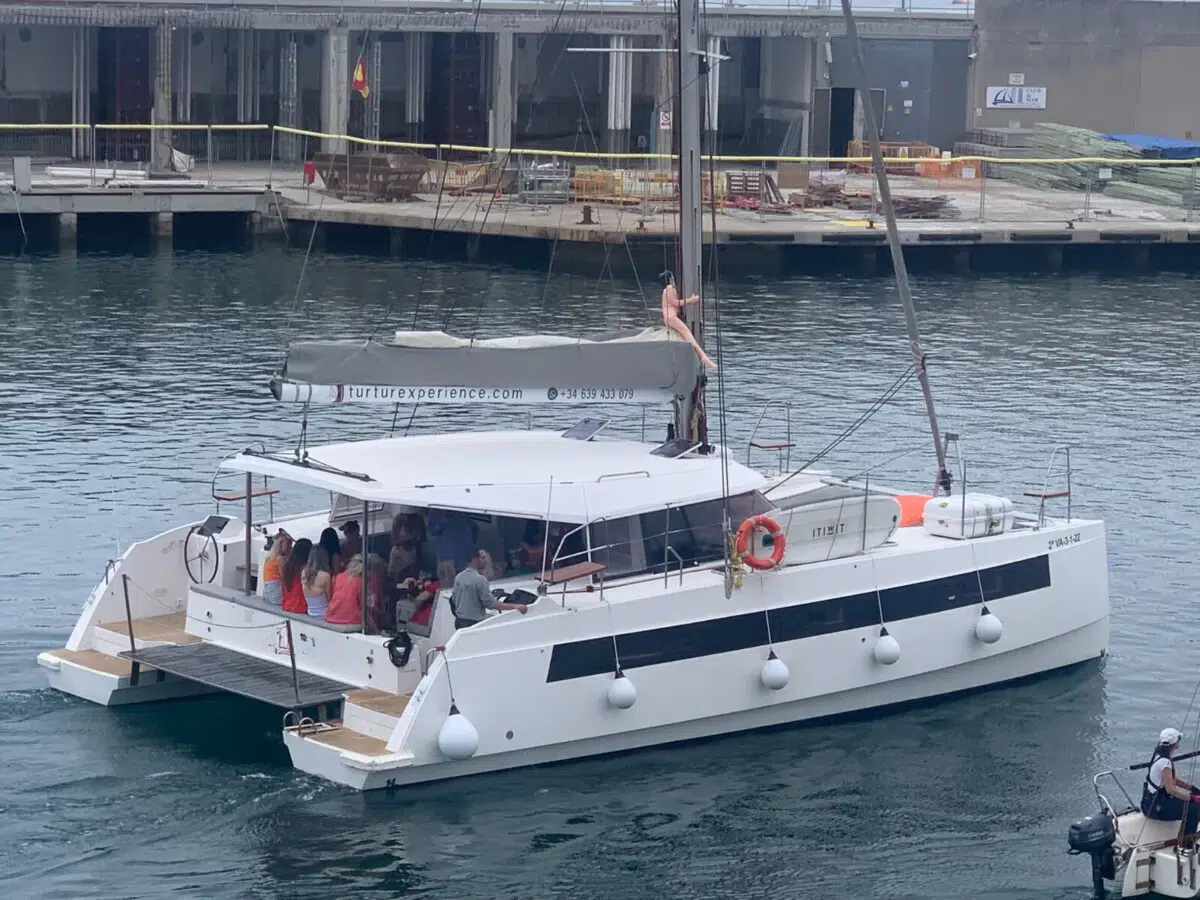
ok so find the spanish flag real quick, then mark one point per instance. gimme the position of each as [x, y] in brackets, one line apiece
[360, 79]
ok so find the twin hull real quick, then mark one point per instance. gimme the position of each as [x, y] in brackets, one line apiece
[535, 686]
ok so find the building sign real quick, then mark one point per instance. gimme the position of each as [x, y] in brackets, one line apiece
[664, 118]
[1016, 97]
[1016, 79]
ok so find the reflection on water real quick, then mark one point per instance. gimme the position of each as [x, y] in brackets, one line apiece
[124, 380]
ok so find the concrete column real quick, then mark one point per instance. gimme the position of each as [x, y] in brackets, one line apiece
[502, 114]
[712, 89]
[162, 226]
[416, 56]
[68, 231]
[81, 92]
[375, 84]
[255, 67]
[620, 93]
[785, 91]
[661, 133]
[183, 76]
[246, 72]
[161, 139]
[289, 99]
[335, 87]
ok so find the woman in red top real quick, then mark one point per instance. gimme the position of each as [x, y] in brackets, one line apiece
[293, 590]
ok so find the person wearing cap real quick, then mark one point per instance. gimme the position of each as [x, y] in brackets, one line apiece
[1164, 795]
[352, 542]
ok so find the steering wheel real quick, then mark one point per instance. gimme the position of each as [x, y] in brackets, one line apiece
[201, 555]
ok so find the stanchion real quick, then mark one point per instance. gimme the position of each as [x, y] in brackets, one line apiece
[1192, 193]
[982, 189]
[135, 667]
[271, 164]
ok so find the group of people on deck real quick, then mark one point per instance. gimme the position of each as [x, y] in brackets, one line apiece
[325, 579]
[322, 580]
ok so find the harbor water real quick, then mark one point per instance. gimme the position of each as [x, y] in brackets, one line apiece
[125, 379]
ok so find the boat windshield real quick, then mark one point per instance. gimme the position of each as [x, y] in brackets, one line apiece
[447, 538]
[671, 537]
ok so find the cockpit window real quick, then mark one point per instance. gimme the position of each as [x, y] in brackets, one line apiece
[667, 538]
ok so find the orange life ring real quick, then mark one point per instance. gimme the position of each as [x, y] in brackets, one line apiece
[771, 527]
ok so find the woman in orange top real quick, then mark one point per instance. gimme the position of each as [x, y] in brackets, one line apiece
[293, 589]
[278, 550]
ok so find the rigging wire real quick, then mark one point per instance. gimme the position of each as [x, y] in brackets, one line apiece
[287, 330]
[714, 267]
[606, 263]
[503, 164]
[876, 405]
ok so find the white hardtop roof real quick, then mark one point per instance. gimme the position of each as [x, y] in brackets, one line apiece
[508, 473]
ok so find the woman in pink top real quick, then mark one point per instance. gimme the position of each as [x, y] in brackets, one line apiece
[345, 602]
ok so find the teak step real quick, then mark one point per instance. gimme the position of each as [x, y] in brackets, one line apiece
[1047, 495]
[344, 738]
[570, 573]
[378, 701]
[165, 629]
[95, 660]
[772, 445]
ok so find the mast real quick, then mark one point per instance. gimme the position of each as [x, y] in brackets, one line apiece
[688, 280]
[885, 197]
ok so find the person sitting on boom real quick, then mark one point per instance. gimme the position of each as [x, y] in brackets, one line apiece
[1165, 796]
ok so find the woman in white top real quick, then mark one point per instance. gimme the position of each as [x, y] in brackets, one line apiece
[1165, 796]
[317, 582]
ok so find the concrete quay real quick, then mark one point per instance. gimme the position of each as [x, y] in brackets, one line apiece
[997, 224]
[229, 203]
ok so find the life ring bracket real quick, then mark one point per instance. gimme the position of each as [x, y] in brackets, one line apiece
[778, 542]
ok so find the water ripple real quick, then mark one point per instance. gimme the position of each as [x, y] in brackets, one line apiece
[124, 380]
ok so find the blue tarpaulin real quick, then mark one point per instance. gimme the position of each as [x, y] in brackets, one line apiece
[1168, 148]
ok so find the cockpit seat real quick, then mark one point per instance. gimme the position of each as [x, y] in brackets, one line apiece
[1135, 830]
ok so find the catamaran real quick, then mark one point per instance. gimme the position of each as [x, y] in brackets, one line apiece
[680, 592]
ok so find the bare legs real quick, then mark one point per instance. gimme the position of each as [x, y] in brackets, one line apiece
[677, 325]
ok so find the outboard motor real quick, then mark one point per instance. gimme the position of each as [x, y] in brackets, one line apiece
[1095, 836]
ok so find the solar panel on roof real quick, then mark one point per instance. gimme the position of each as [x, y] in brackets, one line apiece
[585, 430]
[675, 448]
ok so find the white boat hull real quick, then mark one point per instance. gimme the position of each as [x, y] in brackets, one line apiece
[1087, 643]
[534, 687]
[1150, 863]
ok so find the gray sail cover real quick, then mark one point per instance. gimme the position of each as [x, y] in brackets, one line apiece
[653, 359]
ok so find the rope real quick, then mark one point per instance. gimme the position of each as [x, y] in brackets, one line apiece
[606, 264]
[287, 330]
[854, 426]
[715, 281]
[503, 165]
